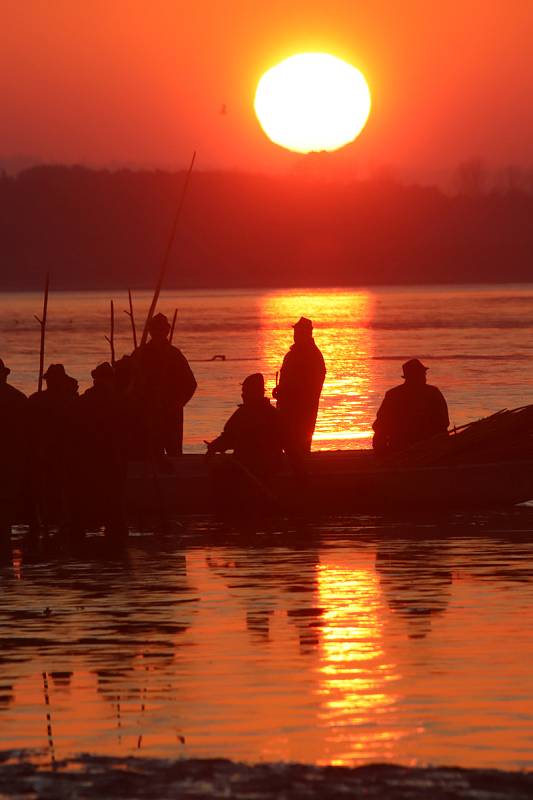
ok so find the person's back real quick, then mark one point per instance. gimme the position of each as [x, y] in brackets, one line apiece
[101, 424]
[53, 457]
[163, 383]
[300, 385]
[52, 414]
[100, 416]
[410, 413]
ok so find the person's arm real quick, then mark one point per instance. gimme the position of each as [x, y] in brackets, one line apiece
[442, 411]
[381, 425]
[226, 440]
[187, 384]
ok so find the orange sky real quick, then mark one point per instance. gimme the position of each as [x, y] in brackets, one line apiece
[121, 81]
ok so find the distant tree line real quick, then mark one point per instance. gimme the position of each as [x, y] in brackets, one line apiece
[101, 229]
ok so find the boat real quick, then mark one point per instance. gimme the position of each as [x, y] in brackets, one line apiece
[335, 482]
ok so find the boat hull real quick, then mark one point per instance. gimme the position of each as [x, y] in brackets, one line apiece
[336, 482]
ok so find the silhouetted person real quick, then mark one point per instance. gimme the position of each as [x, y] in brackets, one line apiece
[13, 428]
[253, 432]
[53, 436]
[298, 392]
[100, 416]
[163, 385]
[411, 412]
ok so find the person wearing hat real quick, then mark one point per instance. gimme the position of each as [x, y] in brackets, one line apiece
[163, 384]
[253, 431]
[101, 440]
[411, 412]
[13, 412]
[53, 458]
[298, 392]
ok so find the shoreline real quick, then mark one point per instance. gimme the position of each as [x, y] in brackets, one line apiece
[90, 776]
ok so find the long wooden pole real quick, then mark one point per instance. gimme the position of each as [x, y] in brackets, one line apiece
[164, 263]
[111, 337]
[132, 320]
[42, 323]
[171, 334]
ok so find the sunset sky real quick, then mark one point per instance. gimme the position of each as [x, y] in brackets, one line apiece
[112, 82]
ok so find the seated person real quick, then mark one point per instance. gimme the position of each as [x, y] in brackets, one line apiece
[411, 412]
[253, 432]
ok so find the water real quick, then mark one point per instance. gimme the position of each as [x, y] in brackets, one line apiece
[353, 641]
[476, 340]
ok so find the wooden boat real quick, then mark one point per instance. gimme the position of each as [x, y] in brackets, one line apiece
[355, 481]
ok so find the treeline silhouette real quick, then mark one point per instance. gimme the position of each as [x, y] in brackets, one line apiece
[102, 229]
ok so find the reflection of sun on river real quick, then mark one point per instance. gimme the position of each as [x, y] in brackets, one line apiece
[345, 339]
[358, 707]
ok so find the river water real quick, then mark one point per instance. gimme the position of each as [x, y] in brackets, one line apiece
[347, 642]
[477, 342]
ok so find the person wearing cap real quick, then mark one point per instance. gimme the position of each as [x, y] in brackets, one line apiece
[298, 392]
[253, 431]
[13, 412]
[411, 412]
[163, 384]
[101, 433]
[53, 437]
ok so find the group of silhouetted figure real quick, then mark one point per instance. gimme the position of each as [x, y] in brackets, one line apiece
[65, 454]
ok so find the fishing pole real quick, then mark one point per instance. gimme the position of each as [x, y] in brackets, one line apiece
[168, 250]
[42, 323]
[111, 337]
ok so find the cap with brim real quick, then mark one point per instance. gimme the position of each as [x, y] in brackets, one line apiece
[103, 371]
[304, 324]
[159, 322]
[254, 381]
[55, 371]
[412, 366]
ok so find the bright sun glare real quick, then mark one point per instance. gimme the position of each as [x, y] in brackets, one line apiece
[312, 102]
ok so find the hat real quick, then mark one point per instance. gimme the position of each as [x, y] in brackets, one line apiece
[103, 372]
[254, 383]
[158, 323]
[413, 367]
[304, 324]
[55, 372]
[3, 368]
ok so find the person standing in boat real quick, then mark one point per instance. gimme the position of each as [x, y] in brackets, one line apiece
[163, 384]
[298, 392]
[101, 430]
[254, 432]
[13, 425]
[53, 458]
[411, 412]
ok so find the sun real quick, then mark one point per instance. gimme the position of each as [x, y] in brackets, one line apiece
[312, 102]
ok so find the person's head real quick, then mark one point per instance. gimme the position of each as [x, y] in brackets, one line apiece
[303, 330]
[159, 328]
[253, 388]
[414, 371]
[4, 372]
[103, 374]
[55, 377]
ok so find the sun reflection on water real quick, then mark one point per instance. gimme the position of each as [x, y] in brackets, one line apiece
[355, 677]
[343, 334]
